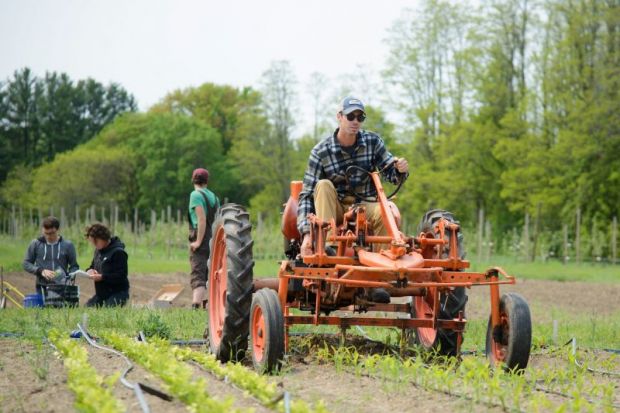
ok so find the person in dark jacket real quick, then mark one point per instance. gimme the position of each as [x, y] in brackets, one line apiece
[108, 269]
[50, 257]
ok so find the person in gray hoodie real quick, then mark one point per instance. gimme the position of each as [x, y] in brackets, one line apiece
[50, 257]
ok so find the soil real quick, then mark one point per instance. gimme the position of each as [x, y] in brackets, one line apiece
[32, 379]
[107, 364]
[345, 392]
[21, 389]
[575, 298]
[142, 289]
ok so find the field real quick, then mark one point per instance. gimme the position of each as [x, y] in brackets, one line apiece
[368, 372]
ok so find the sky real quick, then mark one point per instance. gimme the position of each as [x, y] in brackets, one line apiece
[154, 47]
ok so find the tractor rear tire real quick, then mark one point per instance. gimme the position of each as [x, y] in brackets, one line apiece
[451, 302]
[511, 341]
[230, 283]
[427, 224]
[267, 331]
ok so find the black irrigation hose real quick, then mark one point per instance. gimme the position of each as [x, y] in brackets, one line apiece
[573, 341]
[11, 334]
[136, 387]
[192, 342]
[568, 396]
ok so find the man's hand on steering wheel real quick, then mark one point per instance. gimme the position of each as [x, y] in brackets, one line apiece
[396, 162]
[402, 165]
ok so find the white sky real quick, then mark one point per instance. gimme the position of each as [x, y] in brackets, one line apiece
[153, 47]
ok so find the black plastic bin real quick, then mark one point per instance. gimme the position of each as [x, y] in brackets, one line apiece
[58, 296]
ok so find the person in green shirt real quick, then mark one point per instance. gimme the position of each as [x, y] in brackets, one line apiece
[203, 205]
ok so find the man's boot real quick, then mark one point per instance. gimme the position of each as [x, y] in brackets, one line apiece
[379, 295]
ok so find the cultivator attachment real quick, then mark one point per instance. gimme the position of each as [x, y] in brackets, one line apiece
[424, 278]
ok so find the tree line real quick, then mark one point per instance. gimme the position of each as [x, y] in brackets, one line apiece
[43, 116]
[510, 108]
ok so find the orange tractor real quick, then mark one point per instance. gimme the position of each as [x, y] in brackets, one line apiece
[426, 275]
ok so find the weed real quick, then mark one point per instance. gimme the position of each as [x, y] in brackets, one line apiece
[154, 326]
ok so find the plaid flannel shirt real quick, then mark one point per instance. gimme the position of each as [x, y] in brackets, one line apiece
[329, 161]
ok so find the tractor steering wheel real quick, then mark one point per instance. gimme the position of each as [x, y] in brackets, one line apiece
[362, 197]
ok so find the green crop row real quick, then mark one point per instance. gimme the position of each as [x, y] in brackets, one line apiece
[472, 379]
[92, 392]
[248, 380]
[177, 375]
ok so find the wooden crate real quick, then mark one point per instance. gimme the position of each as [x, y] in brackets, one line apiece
[166, 295]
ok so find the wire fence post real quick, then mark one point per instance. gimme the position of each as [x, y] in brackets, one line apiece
[578, 236]
[614, 240]
[526, 237]
[480, 233]
[565, 249]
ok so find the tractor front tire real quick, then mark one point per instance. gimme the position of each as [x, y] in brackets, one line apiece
[230, 283]
[510, 342]
[267, 331]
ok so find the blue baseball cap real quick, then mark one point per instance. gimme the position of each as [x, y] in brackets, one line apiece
[350, 104]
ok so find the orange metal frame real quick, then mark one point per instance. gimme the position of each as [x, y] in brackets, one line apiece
[406, 263]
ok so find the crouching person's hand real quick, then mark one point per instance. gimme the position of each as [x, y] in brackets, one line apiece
[94, 275]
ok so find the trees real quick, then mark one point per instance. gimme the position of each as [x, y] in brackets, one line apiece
[163, 149]
[432, 72]
[229, 110]
[237, 116]
[84, 177]
[430, 57]
[516, 116]
[40, 117]
[317, 89]
[265, 158]
[279, 103]
[140, 160]
[21, 125]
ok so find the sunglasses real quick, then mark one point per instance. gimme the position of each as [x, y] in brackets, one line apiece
[360, 118]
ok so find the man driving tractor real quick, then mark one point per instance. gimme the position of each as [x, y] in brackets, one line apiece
[326, 190]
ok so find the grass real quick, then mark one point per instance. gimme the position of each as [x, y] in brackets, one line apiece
[160, 253]
[35, 323]
[554, 270]
[144, 258]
